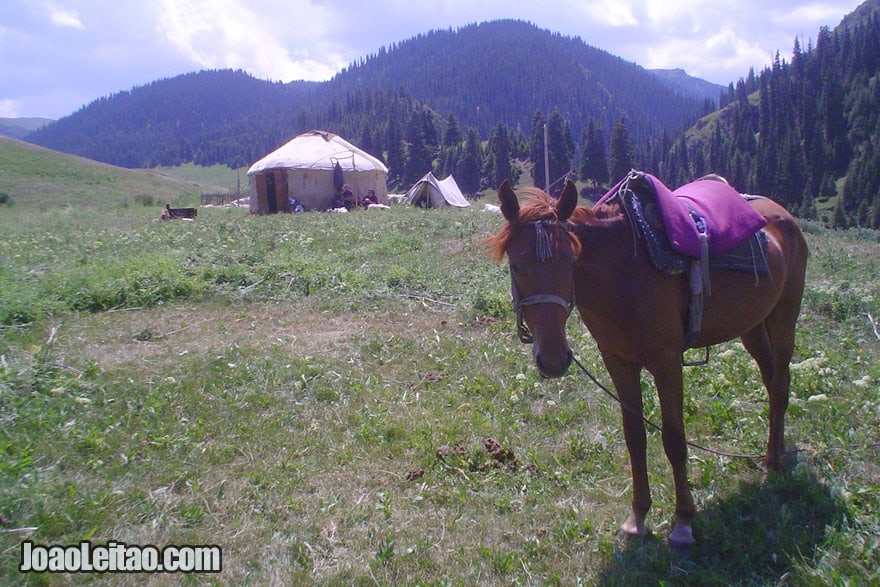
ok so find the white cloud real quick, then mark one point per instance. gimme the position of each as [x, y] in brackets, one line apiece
[721, 57]
[820, 13]
[9, 108]
[672, 18]
[610, 12]
[228, 34]
[65, 18]
[731, 50]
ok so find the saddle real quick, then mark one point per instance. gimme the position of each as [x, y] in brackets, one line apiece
[702, 225]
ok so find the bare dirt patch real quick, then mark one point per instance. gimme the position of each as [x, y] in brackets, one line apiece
[157, 336]
[160, 334]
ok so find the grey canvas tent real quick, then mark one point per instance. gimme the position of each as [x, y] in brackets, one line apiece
[430, 192]
[310, 168]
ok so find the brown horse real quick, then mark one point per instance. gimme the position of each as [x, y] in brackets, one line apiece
[562, 255]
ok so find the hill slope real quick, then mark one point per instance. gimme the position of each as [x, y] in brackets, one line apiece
[679, 80]
[18, 128]
[39, 178]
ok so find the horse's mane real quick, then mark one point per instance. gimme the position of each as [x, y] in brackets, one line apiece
[540, 206]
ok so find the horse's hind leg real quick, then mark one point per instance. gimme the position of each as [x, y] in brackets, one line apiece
[771, 343]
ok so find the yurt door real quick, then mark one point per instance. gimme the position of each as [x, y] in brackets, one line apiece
[271, 200]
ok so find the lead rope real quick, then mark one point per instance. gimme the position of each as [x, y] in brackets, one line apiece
[653, 426]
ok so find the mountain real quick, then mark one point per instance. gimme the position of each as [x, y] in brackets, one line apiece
[191, 117]
[505, 70]
[861, 15]
[484, 74]
[687, 85]
[18, 128]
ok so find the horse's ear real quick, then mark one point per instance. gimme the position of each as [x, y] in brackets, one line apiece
[509, 202]
[567, 201]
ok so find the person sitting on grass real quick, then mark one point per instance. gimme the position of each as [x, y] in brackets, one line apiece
[370, 199]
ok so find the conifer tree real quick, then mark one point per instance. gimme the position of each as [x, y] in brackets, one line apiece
[394, 155]
[620, 159]
[839, 218]
[594, 162]
[452, 136]
[536, 149]
[874, 215]
[366, 143]
[498, 167]
[808, 207]
[419, 149]
[451, 147]
[468, 178]
[560, 151]
[863, 214]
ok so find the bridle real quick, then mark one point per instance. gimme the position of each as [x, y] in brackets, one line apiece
[544, 251]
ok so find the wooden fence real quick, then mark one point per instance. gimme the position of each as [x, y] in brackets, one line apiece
[220, 199]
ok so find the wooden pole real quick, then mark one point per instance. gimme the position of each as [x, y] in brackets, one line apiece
[546, 162]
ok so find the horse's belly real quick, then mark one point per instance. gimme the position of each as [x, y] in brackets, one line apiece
[737, 303]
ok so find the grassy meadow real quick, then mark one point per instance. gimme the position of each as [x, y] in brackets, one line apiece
[342, 400]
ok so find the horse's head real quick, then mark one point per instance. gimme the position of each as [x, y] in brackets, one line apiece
[541, 252]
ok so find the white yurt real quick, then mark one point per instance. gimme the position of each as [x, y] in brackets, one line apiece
[309, 169]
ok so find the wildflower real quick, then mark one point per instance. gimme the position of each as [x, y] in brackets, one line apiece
[810, 363]
[863, 382]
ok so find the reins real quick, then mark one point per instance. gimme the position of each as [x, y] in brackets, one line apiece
[655, 427]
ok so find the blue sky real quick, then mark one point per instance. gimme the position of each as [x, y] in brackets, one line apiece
[57, 56]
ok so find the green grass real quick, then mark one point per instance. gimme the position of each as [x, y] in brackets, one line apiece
[39, 179]
[225, 179]
[314, 394]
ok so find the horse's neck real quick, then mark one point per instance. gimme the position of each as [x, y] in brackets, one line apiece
[600, 227]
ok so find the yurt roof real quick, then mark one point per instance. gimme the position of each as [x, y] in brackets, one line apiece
[318, 150]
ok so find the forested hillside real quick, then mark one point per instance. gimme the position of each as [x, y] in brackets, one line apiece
[503, 71]
[206, 117]
[805, 132]
[498, 72]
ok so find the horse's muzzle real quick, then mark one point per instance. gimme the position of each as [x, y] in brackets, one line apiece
[553, 368]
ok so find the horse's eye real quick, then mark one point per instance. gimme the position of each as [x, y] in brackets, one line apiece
[514, 268]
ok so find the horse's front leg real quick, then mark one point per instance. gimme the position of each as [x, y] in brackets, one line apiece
[668, 379]
[626, 380]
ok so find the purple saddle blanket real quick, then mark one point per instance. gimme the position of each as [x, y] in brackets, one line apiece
[703, 205]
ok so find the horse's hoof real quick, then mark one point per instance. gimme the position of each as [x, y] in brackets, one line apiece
[681, 540]
[628, 536]
[680, 549]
